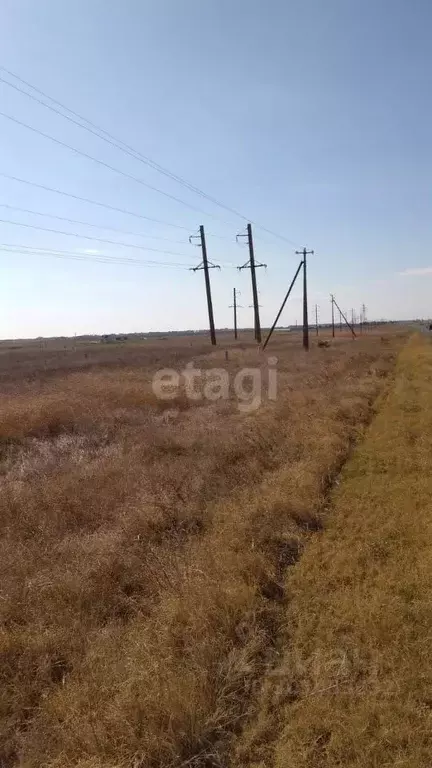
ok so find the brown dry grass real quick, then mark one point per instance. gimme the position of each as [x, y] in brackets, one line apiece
[142, 554]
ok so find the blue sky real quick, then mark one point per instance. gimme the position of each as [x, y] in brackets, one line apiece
[311, 118]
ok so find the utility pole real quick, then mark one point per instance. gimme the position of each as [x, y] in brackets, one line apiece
[333, 322]
[353, 318]
[364, 317]
[252, 265]
[206, 265]
[316, 318]
[305, 253]
[235, 307]
[251, 306]
[340, 320]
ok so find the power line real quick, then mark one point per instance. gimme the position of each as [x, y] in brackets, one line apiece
[95, 239]
[104, 164]
[124, 211]
[101, 258]
[88, 237]
[109, 138]
[127, 149]
[104, 257]
[90, 224]
[92, 202]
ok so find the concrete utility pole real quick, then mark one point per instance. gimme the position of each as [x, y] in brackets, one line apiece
[252, 265]
[205, 265]
[316, 318]
[305, 253]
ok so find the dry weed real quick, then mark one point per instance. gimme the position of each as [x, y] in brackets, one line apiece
[142, 558]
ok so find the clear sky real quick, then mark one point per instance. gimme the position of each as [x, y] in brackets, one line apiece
[313, 118]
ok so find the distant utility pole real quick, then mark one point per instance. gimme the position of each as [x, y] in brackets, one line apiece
[316, 318]
[340, 320]
[363, 314]
[252, 265]
[333, 322]
[235, 306]
[305, 253]
[353, 318]
[206, 265]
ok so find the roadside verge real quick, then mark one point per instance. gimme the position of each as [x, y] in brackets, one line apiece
[354, 686]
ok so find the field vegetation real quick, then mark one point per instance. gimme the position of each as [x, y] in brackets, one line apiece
[144, 546]
[352, 686]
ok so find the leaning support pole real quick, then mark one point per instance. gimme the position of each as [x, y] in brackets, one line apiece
[348, 324]
[283, 304]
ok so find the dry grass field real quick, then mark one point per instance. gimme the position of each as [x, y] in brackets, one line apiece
[144, 545]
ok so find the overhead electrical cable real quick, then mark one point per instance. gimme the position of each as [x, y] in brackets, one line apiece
[100, 258]
[89, 237]
[92, 202]
[104, 135]
[90, 224]
[103, 163]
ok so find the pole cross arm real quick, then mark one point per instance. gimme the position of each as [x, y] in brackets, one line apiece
[195, 237]
[248, 266]
[201, 266]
